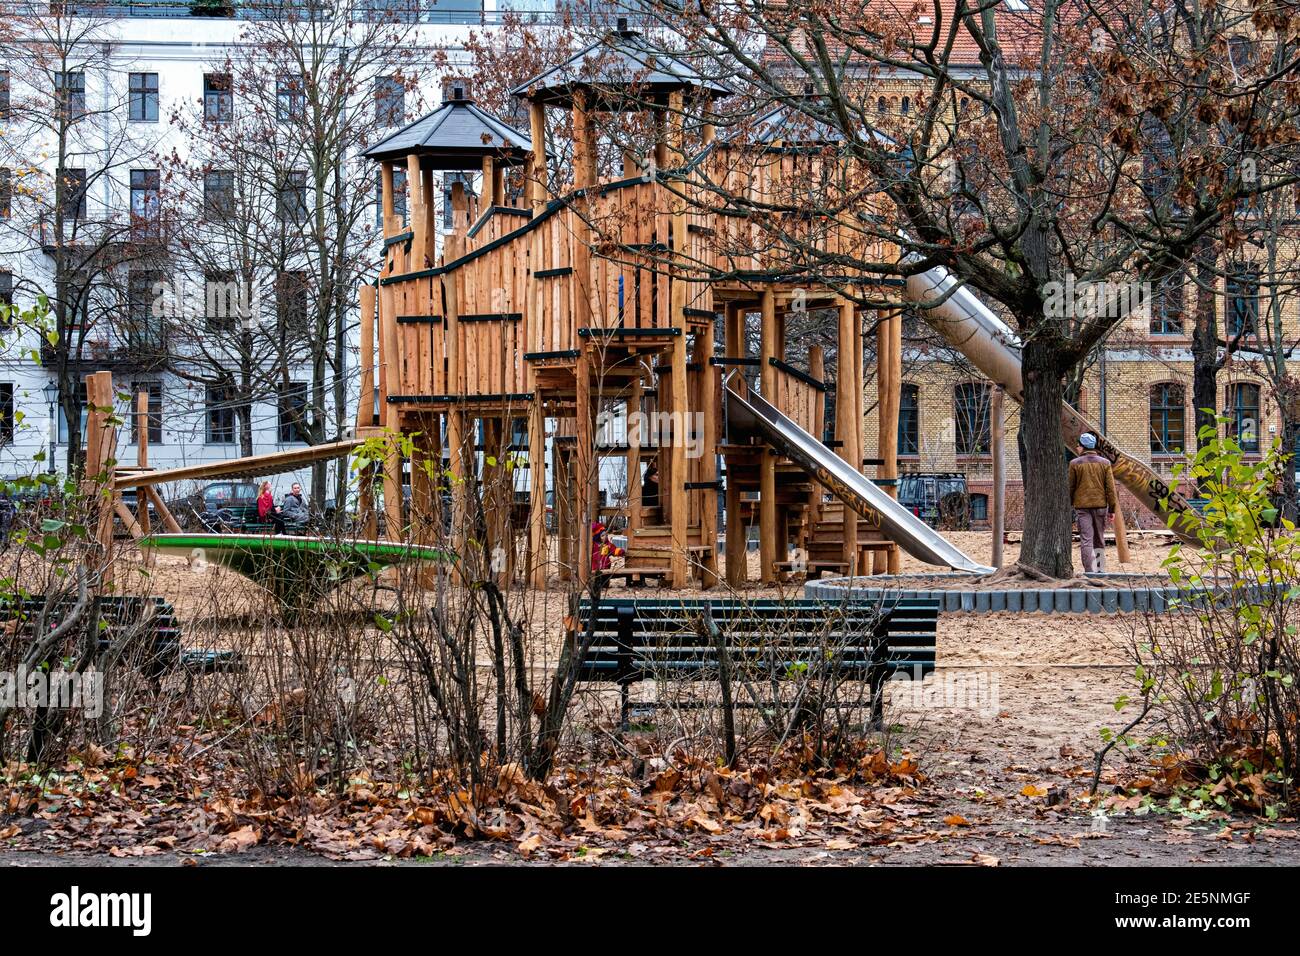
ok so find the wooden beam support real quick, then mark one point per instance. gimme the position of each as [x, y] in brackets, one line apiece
[537, 545]
[848, 418]
[770, 550]
[998, 451]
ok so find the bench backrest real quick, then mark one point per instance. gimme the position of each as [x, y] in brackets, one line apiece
[636, 639]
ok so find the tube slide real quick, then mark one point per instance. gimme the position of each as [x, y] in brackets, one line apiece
[969, 327]
[757, 416]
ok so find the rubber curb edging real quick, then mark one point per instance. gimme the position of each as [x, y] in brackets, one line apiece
[1031, 600]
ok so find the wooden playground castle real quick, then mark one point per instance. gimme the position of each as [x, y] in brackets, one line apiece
[608, 295]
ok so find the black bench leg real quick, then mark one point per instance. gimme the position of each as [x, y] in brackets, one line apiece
[878, 701]
[624, 706]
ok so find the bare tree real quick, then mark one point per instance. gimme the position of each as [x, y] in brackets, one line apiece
[1030, 161]
[286, 198]
[83, 202]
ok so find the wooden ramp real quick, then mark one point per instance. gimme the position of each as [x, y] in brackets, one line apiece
[251, 466]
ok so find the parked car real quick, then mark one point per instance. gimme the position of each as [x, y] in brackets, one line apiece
[940, 499]
[217, 506]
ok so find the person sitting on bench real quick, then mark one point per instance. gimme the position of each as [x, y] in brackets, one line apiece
[294, 509]
[267, 510]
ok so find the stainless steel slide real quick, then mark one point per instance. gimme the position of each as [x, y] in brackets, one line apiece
[756, 416]
[968, 326]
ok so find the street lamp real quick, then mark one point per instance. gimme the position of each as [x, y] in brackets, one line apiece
[51, 391]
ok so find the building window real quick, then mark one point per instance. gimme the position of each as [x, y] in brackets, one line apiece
[4, 95]
[74, 194]
[143, 105]
[6, 193]
[1168, 418]
[83, 413]
[293, 413]
[390, 101]
[1167, 305]
[979, 507]
[222, 303]
[971, 408]
[1243, 418]
[290, 98]
[218, 194]
[220, 416]
[448, 181]
[218, 98]
[905, 105]
[291, 202]
[6, 413]
[6, 287]
[145, 325]
[70, 95]
[145, 200]
[909, 420]
[399, 196]
[154, 413]
[291, 301]
[1243, 300]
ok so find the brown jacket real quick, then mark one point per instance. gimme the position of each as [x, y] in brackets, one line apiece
[1092, 484]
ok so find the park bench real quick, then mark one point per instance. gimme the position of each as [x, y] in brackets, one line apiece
[156, 620]
[637, 640]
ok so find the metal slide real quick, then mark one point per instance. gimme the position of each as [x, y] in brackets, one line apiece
[967, 325]
[754, 415]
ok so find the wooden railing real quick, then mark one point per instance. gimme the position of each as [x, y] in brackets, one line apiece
[800, 397]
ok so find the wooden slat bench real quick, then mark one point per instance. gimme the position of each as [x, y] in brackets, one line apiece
[156, 619]
[638, 639]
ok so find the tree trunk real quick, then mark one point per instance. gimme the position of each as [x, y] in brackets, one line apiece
[1205, 345]
[244, 412]
[1048, 516]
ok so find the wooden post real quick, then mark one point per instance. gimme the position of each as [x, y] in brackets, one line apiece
[460, 477]
[634, 422]
[101, 447]
[415, 200]
[1121, 535]
[141, 456]
[889, 396]
[848, 420]
[423, 530]
[733, 337]
[537, 547]
[896, 362]
[429, 216]
[769, 552]
[389, 199]
[562, 483]
[710, 393]
[817, 369]
[537, 161]
[998, 450]
[393, 483]
[489, 184]
[583, 462]
[889, 368]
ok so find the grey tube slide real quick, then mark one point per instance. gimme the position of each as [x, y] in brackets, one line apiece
[757, 416]
[968, 326]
